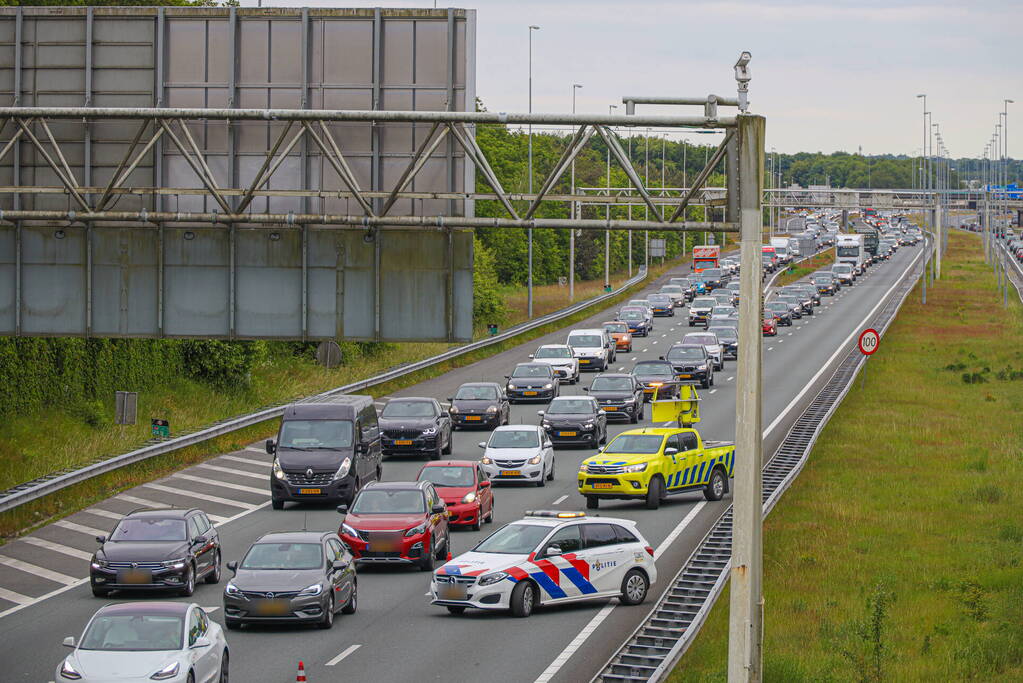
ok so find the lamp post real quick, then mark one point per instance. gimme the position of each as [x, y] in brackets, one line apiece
[607, 215]
[529, 283]
[571, 231]
[1005, 145]
[923, 154]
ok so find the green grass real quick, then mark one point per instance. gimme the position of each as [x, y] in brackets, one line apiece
[804, 268]
[897, 554]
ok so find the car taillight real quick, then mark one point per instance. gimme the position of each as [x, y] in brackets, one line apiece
[649, 550]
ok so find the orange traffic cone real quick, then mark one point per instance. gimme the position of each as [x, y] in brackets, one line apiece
[300, 678]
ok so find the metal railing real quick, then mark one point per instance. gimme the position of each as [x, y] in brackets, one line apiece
[51, 483]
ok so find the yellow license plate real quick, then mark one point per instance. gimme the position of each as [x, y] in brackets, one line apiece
[452, 592]
[135, 576]
[310, 492]
[583, 361]
[529, 393]
[603, 485]
[685, 376]
[403, 442]
[511, 473]
[648, 391]
[567, 433]
[611, 408]
[473, 418]
[272, 608]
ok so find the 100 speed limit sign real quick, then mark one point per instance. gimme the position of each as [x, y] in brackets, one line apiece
[869, 341]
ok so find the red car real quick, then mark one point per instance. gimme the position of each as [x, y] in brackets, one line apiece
[465, 488]
[403, 522]
[770, 327]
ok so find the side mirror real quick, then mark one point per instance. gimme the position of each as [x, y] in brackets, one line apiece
[450, 399]
[482, 444]
[507, 376]
[200, 643]
[339, 564]
[553, 550]
[485, 484]
[342, 509]
[101, 539]
[531, 356]
[198, 540]
[69, 641]
[233, 566]
[670, 451]
[271, 446]
[660, 358]
[585, 388]
[438, 509]
[540, 413]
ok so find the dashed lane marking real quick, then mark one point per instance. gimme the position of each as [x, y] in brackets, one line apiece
[247, 461]
[202, 496]
[81, 528]
[16, 598]
[731, 378]
[344, 654]
[633, 358]
[145, 502]
[228, 470]
[253, 449]
[43, 572]
[223, 484]
[621, 369]
[713, 390]
[770, 348]
[57, 547]
[104, 513]
[559, 500]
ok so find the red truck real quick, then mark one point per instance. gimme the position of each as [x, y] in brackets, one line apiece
[706, 256]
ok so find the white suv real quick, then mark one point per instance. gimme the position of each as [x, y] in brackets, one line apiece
[562, 360]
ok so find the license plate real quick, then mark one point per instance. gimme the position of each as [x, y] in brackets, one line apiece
[384, 544]
[452, 591]
[611, 408]
[511, 473]
[473, 418]
[403, 442]
[135, 576]
[529, 393]
[272, 608]
[648, 391]
[603, 485]
[685, 376]
[583, 361]
[310, 492]
[567, 433]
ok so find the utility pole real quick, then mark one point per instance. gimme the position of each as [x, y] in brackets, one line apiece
[529, 231]
[575, 210]
[923, 152]
[607, 233]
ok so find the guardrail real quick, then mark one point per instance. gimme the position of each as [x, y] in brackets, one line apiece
[1014, 267]
[51, 483]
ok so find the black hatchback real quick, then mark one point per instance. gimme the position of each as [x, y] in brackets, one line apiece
[619, 395]
[479, 404]
[656, 375]
[157, 549]
[574, 421]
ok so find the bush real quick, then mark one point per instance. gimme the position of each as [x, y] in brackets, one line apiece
[222, 364]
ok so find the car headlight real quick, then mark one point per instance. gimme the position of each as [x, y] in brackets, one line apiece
[626, 337]
[588, 425]
[629, 401]
[469, 497]
[545, 424]
[314, 589]
[491, 409]
[69, 672]
[98, 564]
[701, 367]
[232, 589]
[486, 461]
[429, 431]
[278, 472]
[657, 384]
[175, 564]
[416, 530]
[169, 671]
[512, 387]
[635, 468]
[349, 531]
[535, 460]
[342, 471]
[453, 410]
[549, 385]
[494, 577]
[582, 466]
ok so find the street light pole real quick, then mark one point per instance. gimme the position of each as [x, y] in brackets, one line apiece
[529, 237]
[607, 233]
[571, 231]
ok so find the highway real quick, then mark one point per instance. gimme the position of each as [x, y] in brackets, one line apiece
[396, 635]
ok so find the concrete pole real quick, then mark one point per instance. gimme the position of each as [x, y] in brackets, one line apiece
[940, 237]
[571, 231]
[745, 632]
[529, 236]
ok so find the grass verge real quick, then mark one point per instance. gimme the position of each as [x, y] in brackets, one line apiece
[898, 552]
[804, 268]
[34, 445]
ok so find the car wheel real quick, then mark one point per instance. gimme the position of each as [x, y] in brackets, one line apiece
[592, 503]
[328, 614]
[277, 503]
[353, 601]
[456, 609]
[214, 576]
[635, 586]
[634, 416]
[716, 487]
[447, 448]
[439, 554]
[523, 599]
[705, 384]
[642, 411]
[654, 493]
[542, 481]
[478, 524]
[189, 583]
[437, 453]
[100, 592]
[191, 677]
[712, 380]
[550, 477]
[232, 624]
[225, 664]
[426, 562]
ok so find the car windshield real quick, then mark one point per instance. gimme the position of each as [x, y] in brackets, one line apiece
[531, 371]
[844, 268]
[777, 306]
[514, 438]
[138, 632]
[611, 384]
[389, 502]
[705, 339]
[283, 556]
[631, 315]
[825, 279]
[660, 299]
[448, 475]
[409, 409]
[514, 539]
[585, 341]
[722, 310]
[553, 352]
[310, 434]
[570, 406]
[683, 283]
[704, 302]
[149, 529]
[685, 353]
[635, 443]
[711, 273]
[671, 289]
[727, 333]
[476, 393]
[639, 302]
[617, 328]
[654, 369]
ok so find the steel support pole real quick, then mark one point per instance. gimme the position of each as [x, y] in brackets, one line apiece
[529, 236]
[745, 633]
[940, 237]
[987, 225]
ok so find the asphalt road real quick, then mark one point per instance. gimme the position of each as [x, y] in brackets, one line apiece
[397, 635]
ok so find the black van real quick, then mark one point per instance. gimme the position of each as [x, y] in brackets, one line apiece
[326, 450]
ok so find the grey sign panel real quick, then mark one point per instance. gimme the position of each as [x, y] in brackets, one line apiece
[247, 281]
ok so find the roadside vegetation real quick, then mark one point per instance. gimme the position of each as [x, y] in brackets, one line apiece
[803, 268]
[897, 555]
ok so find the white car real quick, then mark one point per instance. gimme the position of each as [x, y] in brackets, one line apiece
[722, 313]
[562, 360]
[147, 641]
[549, 558]
[709, 340]
[518, 453]
[594, 348]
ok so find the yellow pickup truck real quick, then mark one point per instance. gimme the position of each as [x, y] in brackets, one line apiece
[651, 464]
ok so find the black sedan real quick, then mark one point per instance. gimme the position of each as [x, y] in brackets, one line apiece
[728, 337]
[574, 421]
[415, 425]
[656, 375]
[532, 382]
[157, 549]
[293, 577]
[620, 395]
[691, 362]
[781, 312]
[797, 304]
[479, 404]
[826, 284]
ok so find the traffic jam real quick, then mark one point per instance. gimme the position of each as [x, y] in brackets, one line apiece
[334, 451]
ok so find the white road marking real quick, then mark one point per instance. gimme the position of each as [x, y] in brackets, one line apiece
[202, 496]
[654, 341]
[552, 670]
[253, 449]
[770, 348]
[104, 513]
[622, 369]
[216, 519]
[731, 378]
[211, 609]
[713, 390]
[30, 568]
[57, 547]
[344, 654]
[558, 501]
[228, 470]
[247, 461]
[16, 598]
[781, 341]
[87, 530]
[223, 484]
[643, 351]
[789, 334]
[633, 358]
[663, 335]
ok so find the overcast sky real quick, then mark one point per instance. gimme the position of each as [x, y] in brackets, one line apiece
[828, 75]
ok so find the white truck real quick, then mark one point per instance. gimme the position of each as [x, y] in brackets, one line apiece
[849, 249]
[782, 249]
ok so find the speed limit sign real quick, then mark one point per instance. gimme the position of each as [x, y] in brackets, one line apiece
[869, 341]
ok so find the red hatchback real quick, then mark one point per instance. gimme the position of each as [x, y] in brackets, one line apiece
[770, 328]
[465, 488]
[397, 523]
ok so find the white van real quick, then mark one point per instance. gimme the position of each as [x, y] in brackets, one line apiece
[595, 348]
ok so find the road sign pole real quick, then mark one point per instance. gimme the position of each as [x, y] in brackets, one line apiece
[745, 629]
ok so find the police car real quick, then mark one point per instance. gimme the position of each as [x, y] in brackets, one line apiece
[549, 558]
